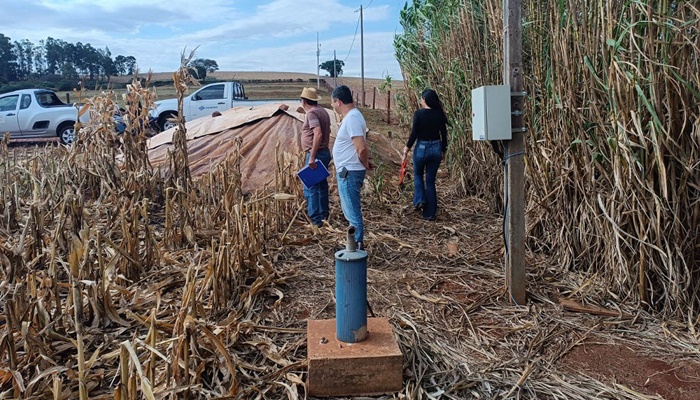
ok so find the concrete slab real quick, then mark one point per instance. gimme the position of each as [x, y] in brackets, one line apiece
[371, 367]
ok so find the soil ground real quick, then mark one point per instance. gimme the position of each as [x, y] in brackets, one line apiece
[636, 368]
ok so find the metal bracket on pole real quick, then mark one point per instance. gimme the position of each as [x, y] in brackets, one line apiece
[518, 94]
[521, 129]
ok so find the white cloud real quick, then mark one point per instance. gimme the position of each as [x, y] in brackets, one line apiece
[240, 35]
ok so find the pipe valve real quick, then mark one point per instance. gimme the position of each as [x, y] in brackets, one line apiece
[350, 243]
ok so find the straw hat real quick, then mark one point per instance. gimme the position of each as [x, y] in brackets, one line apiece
[310, 94]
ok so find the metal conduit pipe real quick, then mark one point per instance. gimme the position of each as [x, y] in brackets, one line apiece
[351, 291]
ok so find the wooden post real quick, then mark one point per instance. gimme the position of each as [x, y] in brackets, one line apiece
[374, 97]
[515, 163]
[67, 98]
[388, 107]
[335, 74]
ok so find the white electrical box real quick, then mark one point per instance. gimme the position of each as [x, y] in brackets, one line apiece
[491, 113]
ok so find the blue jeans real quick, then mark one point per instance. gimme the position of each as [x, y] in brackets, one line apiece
[427, 156]
[349, 189]
[317, 195]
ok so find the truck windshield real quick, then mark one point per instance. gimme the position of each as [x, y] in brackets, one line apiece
[48, 99]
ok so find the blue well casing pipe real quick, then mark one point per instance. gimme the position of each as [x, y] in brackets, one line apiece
[351, 292]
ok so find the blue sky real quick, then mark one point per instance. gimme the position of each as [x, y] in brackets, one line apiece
[245, 35]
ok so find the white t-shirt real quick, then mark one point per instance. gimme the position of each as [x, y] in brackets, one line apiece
[344, 151]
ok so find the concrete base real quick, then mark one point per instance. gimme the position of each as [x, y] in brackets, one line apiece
[371, 367]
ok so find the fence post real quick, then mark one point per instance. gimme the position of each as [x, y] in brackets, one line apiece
[67, 98]
[374, 96]
[388, 107]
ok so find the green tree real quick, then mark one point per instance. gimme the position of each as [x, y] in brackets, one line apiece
[39, 53]
[107, 67]
[201, 66]
[125, 65]
[51, 57]
[55, 55]
[8, 59]
[333, 71]
[24, 51]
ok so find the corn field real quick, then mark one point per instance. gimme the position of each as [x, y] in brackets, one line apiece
[613, 142]
[122, 281]
[108, 265]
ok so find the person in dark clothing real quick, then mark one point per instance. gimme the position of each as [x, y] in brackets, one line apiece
[429, 134]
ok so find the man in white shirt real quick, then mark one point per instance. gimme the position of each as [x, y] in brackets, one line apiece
[351, 156]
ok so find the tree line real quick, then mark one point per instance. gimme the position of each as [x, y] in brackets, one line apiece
[22, 60]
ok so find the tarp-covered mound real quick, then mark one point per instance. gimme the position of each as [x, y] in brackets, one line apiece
[211, 140]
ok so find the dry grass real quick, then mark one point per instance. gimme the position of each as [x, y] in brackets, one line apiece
[613, 143]
[120, 283]
[103, 261]
[105, 284]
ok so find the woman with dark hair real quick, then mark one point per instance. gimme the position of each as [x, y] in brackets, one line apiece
[429, 133]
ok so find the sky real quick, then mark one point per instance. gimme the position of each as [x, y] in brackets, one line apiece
[240, 35]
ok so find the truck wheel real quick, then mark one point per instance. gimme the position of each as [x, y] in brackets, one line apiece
[165, 121]
[66, 134]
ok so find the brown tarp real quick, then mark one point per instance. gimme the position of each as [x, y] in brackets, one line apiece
[211, 140]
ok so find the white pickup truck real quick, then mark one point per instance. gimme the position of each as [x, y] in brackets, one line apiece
[38, 113]
[213, 97]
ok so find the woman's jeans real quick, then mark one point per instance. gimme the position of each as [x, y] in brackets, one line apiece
[426, 161]
[317, 195]
[349, 189]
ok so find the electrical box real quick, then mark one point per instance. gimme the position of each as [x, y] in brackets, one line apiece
[491, 113]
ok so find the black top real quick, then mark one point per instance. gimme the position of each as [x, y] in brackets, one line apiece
[429, 125]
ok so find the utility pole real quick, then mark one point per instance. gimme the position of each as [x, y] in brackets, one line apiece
[362, 55]
[335, 72]
[318, 62]
[514, 154]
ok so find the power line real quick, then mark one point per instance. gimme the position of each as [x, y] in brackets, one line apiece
[355, 35]
[353, 39]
